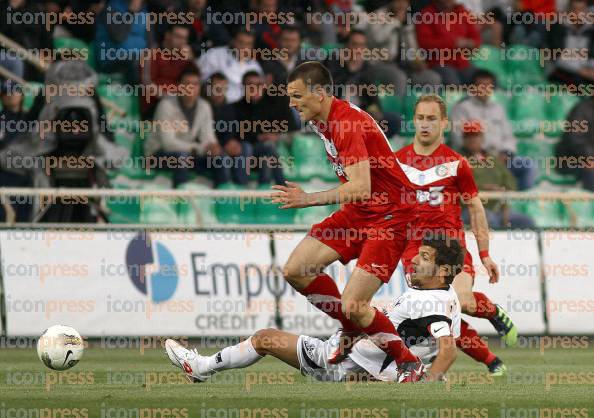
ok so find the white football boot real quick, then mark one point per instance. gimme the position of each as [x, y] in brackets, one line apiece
[193, 364]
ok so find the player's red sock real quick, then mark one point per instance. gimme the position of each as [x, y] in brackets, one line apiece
[484, 307]
[472, 344]
[324, 295]
[391, 344]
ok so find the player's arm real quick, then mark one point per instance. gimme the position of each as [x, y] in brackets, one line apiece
[480, 228]
[356, 189]
[445, 358]
[478, 218]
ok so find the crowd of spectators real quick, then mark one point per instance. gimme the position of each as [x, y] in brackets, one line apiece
[231, 73]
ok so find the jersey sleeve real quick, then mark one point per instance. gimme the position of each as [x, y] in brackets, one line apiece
[350, 141]
[436, 325]
[465, 180]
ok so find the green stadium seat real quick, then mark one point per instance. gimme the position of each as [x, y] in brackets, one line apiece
[123, 210]
[523, 65]
[408, 110]
[451, 98]
[390, 103]
[117, 94]
[158, 210]
[489, 58]
[269, 213]
[581, 213]
[557, 109]
[528, 113]
[196, 211]
[309, 157]
[540, 151]
[235, 210]
[547, 214]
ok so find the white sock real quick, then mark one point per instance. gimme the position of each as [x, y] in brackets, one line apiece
[235, 357]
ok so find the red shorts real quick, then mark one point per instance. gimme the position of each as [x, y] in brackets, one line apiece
[377, 242]
[412, 249]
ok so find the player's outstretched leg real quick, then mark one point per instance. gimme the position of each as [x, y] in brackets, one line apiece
[356, 306]
[198, 368]
[473, 345]
[304, 272]
[479, 305]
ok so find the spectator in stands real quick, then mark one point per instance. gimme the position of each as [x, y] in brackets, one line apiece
[85, 32]
[233, 61]
[499, 137]
[12, 113]
[573, 34]
[11, 118]
[206, 35]
[448, 40]
[292, 54]
[257, 129]
[183, 129]
[121, 38]
[223, 114]
[168, 62]
[490, 27]
[537, 12]
[490, 175]
[32, 34]
[399, 38]
[267, 29]
[578, 145]
[355, 79]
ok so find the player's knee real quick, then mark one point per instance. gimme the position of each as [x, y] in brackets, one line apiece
[294, 275]
[262, 339]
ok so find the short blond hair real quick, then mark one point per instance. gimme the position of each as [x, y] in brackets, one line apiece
[434, 98]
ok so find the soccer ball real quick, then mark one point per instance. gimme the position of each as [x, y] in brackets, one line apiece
[60, 347]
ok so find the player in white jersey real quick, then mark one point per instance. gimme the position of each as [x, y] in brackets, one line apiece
[427, 318]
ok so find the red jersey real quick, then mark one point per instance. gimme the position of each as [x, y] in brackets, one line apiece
[439, 181]
[351, 135]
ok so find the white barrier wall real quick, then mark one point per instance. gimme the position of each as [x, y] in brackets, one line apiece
[223, 283]
[569, 268]
[118, 283]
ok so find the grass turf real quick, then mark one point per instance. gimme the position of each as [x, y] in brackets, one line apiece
[125, 383]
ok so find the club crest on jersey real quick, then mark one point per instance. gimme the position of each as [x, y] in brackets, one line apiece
[442, 170]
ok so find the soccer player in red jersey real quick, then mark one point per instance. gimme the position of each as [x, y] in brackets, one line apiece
[442, 179]
[370, 226]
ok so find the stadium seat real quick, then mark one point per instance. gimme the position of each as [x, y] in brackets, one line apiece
[123, 210]
[269, 213]
[581, 213]
[523, 65]
[542, 152]
[408, 110]
[309, 156]
[390, 103]
[558, 107]
[196, 211]
[116, 93]
[157, 210]
[489, 58]
[235, 210]
[451, 98]
[528, 113]
[547, 214]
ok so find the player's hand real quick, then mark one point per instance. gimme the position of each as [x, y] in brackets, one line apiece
[290, 196]
[492, 269]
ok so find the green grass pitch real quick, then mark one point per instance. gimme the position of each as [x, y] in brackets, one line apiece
[122, 383]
